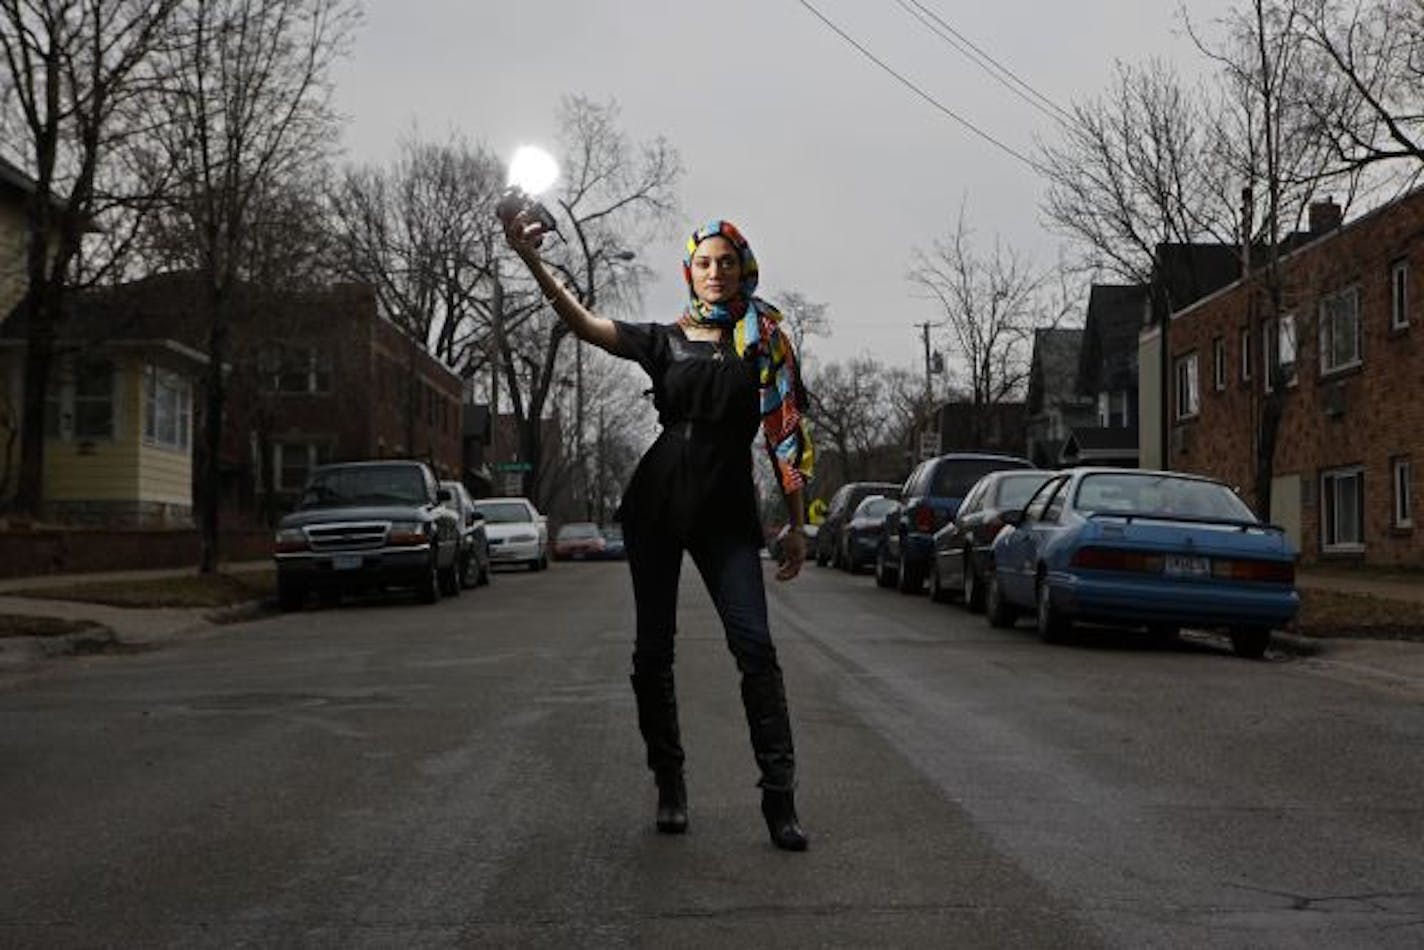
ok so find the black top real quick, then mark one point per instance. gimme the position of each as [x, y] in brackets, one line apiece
[697, 475]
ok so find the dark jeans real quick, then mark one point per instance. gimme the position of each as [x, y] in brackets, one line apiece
[730, 567]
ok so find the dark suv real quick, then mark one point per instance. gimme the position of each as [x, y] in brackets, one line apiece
[368, 525]
[928, 501]
[830, 536]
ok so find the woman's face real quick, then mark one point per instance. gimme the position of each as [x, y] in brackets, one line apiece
[716, 271]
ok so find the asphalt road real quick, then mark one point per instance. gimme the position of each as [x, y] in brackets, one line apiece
[469, 774]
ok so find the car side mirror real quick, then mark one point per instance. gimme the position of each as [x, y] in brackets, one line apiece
[1014, 517]
[443, 496]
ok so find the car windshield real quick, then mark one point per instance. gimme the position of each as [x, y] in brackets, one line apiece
[503, 512]
[577, 531]
[365, 485]
[954, 478]
[1155, 494]
[875, 507]
[1015, 490]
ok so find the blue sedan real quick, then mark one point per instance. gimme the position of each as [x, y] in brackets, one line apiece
[1160, 550]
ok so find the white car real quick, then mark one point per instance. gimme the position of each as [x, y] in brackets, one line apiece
[518, 534]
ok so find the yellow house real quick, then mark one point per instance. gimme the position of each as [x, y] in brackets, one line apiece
[119, 416]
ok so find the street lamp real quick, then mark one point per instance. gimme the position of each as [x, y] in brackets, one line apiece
[622, 255]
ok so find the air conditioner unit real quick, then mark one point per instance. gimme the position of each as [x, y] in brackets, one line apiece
[1335, 400]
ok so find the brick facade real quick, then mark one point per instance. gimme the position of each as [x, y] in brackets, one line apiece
[1361, 418]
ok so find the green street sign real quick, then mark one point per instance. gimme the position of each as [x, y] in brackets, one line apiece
[513, 466]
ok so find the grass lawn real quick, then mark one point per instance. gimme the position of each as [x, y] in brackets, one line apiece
[15, 625]
[194, 590]
[1328, 613]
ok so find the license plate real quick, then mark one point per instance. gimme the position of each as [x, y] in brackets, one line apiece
[1186, 565]
[346, 562]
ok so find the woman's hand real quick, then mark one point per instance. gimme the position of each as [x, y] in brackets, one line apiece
[525, 234]
[793, 554]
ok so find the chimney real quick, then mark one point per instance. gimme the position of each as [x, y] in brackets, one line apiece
[1325, 216]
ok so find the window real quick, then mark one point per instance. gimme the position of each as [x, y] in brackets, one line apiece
[1218, 364]
[1342, 509]
[1278, 351]
[80, 403]
[1340, 330]
[1245, 354]
[1399, 295]
[1188, 395]
[1402, 477]
[292, 464]
[296, 369]
[167, 409]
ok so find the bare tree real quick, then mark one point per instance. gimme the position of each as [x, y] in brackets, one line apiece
[1268, 137]
[1375, 49]
[804, 318]
[613, 198]
[245, 107]
[71, 70]
[991, 303]
[847, 410]
[1137, 168]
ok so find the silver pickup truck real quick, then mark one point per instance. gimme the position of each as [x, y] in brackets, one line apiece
[363, 525]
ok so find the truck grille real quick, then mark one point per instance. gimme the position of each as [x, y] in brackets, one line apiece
[351, 536]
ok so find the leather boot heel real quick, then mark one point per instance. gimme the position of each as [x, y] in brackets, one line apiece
[779, 810]
[672, 804]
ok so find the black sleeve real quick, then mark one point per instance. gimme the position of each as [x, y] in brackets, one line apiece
[638, 342]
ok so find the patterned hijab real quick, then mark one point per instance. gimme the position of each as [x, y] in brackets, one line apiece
[756, 327]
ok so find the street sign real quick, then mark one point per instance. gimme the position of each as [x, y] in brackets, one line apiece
[513, 466]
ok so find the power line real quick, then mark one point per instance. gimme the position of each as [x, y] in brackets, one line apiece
[991, 66]
[920, 92]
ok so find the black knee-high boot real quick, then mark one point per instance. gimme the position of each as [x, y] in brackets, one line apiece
[657, 721]
[764, 697]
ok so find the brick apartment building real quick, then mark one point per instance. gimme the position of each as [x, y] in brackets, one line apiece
[311, 377]
[1348, 346]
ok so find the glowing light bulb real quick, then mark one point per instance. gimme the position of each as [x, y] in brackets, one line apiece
[532, 170]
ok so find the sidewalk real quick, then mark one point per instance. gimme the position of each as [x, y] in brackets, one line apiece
[127, 627]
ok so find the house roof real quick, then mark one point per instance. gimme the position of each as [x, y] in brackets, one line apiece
[1185, 273]
[1107, 360]
[1053, 373]
[1089, 444]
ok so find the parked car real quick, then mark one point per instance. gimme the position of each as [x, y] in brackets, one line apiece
[1157, 549]
[961, 548]
[830, 539]
[613, 548]
[518, 533]
[474, 558]
[578, 541]
[865, 531]
[929, 498]
[367, 525]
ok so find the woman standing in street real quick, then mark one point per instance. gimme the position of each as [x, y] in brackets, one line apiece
[722, 370]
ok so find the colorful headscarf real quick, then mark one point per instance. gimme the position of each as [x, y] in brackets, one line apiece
[756, 327]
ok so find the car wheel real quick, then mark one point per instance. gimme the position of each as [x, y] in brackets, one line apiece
[290, 595]
[821, 559]
[543, 563]
[938, 592]
[428, 590]
[911, 578]
[482, 579]
[884, 573]
[1250, 643]
[466, 562]
[999, 612]
[1053, 627]
[971, 587]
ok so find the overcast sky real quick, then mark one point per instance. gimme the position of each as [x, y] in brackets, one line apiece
[834, 170]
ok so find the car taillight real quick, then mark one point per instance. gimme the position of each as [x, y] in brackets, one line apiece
[1272, 572]
[988, 530]
[923, 518]
[1117, 559]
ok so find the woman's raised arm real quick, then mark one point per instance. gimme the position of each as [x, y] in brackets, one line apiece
[524, 236]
